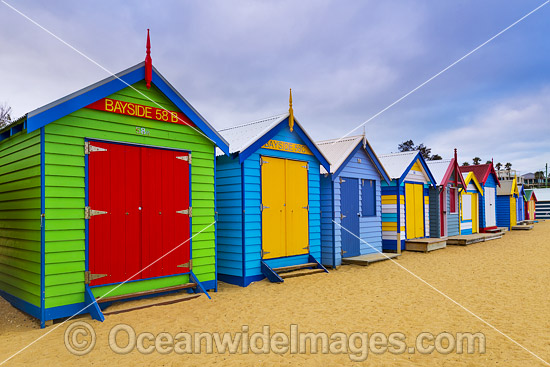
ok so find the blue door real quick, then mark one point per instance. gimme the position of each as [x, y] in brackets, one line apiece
[349, 206]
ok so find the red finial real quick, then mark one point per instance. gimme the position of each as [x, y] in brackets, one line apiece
[148, 63]
[455, 155]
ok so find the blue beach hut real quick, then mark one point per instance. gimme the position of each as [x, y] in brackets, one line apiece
[405, 200]
[350, 200]
[269, 201]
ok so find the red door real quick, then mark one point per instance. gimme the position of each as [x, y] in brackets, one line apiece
[140, 189]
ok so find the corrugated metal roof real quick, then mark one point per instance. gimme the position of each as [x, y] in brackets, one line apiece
[481, 171]
[242, 136]
[337, 150]
[542, 194]
[506, 187]
[396, 163]
[439, 168]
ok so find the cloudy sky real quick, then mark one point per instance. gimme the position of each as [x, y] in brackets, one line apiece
[344, 60]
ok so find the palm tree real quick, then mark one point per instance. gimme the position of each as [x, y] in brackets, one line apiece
[476, 160]
[498, 166]
[465, 164]
[508, 166]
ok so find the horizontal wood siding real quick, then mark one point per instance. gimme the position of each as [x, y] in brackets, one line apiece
[435, 217]
[229, 203]
[490, 182]
[503, 210]
[328, 247]
[20, 216]
[453, 220]
[542, 210]
[65, 191]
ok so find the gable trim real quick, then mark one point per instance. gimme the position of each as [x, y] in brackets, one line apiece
[424, 166]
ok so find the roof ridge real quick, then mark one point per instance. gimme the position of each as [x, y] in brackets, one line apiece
[399, 153]
[347, 138]
[274, 117]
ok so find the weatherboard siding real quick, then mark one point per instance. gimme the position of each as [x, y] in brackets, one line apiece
[65, 192]
[20, 211]
[503, 210]
[435, 215]
[490, 182]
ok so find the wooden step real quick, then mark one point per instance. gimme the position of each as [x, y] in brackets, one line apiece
[153, 305]
[523, 227]
[146, 293]
[285, 269]
[302, 273]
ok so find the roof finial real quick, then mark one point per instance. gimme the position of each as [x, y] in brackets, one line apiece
[455, 156]
[148, 63]
[290, 112]
[364, 137]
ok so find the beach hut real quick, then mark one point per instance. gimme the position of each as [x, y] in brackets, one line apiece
[350, 200]
[101, 192]
[405, 200]
[469, 204]
[269, 201]
[507, 194]
[542, 210]
[444, 202]
[488, 179]
[520, 204]
[530, 204]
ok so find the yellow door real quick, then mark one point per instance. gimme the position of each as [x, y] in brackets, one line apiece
[513, 214]
[297, 228]
[419, 209]
[414, 210]
[409, 210]
[474, 213]
[273, 208]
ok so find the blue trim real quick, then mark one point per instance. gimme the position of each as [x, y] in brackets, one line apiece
[23, 305]
[86, 221]
[269, 273]
[332, 223]
[348, 158]
[63, 109]
[215, 227]
[199, 284]
[16, 129]
[260, 142]
[243, 249]
[116, 84]
[398, 219]
[91, 305]
[42, 228]
[311, 145]
[424, 165]
[377, 164]
[240, 281]
[423, 206]
[6, 134]
[372, 157]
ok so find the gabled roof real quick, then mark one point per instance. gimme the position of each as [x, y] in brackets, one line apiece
[530, 193]
[82, 98]
[470, 176]
[339, 151]
[398, 164]
[542, 194]
[443, 169]
[482, 172]
[508, 187]
[246, 138]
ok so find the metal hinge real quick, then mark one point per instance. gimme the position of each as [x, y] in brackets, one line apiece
[263, 162]
[306, 248]
[306, 166]
[186, 211]
[306, 207]
[342, 216]
[264, 253]
[188, 264]
[186, 158]
[88, 212]
[342, 180]
[88, 276]
[343, 252]
[262, 207]
[88, 148]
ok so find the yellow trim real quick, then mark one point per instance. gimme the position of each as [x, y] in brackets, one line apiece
[390, 199]
[285, 146]
[473, 177]
[515, 189]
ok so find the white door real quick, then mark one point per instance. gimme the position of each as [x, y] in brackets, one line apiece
[490, 218]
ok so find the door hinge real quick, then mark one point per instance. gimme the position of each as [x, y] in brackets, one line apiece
[186, 158]
[262, 162]
[343, 252]
[264, 253]
[306, 207]
[88, 148]
[88, 276]
[186, 211]
[306, 248]
[306, 166]
[262, 207]
[342, 180]
[342, 216]
[188, 264]
[89, 212]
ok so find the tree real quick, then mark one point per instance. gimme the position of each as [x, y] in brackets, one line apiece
[498, 166]
[476, 161]
[408, 146]
[488, 162]
[508, 166]
[436, 157]
[465, 164]
[5, 115]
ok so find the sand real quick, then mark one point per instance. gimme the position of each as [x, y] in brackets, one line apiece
[505, 282]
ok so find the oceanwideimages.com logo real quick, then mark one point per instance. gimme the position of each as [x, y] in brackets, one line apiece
[80, 339]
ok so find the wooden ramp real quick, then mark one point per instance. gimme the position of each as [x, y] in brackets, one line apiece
[522, 227]
[469, 239]
[425, 244]
[369, 258]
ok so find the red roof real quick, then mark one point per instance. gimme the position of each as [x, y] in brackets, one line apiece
[482, 172]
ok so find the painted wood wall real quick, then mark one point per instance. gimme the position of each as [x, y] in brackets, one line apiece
[252, 229]
[490, 182]
[370, 228]
[435, 213]
[542, 210]
[65, 191]
[20, 209]
[503, 210]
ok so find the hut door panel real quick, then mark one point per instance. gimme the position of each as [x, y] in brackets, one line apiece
[273, 208]
[409, 210]
[474, 213]
[513, 214]
[419, 209]
[414, 210]
[443, 211]
[349, 206]
[297, 228]
[490, 218]
[114, 179]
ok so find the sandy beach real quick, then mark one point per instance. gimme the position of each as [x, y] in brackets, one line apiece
[505, 282]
